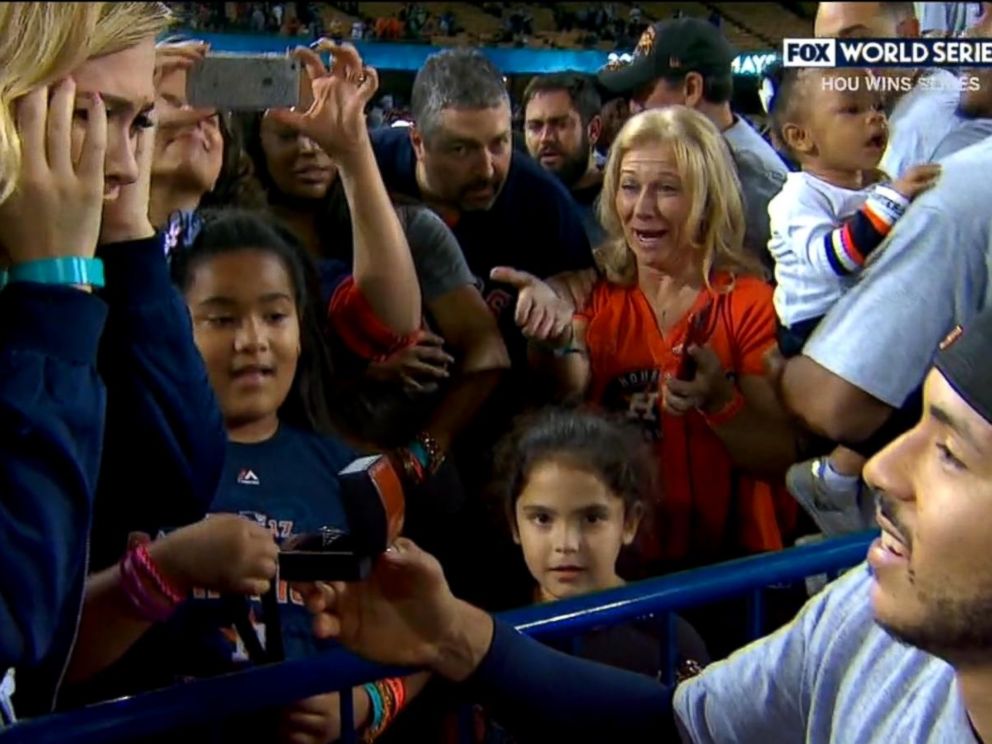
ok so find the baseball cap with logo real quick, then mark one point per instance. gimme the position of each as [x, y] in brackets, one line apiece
[671, 49]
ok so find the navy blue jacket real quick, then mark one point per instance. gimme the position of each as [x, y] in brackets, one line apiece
[534, 226]
[165, 441]
[161, 457]
[52, 404]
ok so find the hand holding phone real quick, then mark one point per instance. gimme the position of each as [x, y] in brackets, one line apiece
[336, 118]
[696, 336]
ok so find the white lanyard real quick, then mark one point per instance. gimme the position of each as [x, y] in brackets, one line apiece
[7, 687]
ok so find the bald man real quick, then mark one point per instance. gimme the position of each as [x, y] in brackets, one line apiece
[924, 122]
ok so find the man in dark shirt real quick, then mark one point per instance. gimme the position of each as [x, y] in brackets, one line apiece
[562, 127]
[458, 159]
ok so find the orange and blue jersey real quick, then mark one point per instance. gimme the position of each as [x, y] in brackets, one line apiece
[708, 508]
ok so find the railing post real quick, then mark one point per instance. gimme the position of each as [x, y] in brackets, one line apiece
[755, 614]
[348, 734]
[671, 648]
[466, 724]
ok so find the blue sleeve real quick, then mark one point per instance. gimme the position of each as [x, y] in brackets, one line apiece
[541, 694]
[52, 405]
[165, 441]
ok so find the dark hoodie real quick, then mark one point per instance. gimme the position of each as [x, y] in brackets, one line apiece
[110, 425]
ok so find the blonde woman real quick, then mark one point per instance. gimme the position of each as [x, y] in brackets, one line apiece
[675, 335]
[86, 271]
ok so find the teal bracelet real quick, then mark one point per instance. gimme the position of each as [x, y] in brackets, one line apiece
[378, 709]
[68, 270]
[418, 450]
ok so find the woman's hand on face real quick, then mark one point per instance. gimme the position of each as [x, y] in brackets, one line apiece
[55, 209]
[126, 217]
[709, 389]
[336, 118]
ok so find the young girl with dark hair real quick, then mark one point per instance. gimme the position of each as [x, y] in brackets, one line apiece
[574, 485]
[248, 287]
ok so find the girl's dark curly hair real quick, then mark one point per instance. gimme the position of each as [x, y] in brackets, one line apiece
[607, 447]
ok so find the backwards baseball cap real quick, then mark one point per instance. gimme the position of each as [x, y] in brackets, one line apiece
[965, 358]
[670, 49]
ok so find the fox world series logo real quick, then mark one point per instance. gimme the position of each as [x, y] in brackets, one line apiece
[952, 53]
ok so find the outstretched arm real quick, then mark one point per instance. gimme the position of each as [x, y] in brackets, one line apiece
[405, 614]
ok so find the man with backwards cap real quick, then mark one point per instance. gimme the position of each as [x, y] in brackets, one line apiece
[688, 62]
[898, 650]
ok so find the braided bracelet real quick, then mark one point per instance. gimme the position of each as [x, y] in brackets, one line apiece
[151, 572]
[146, 603]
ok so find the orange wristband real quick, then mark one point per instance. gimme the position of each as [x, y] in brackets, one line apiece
[729, 411]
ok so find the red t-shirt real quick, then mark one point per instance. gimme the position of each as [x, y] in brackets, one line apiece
[708, 509]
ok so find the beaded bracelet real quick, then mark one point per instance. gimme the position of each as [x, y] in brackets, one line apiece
[388, 697]
[432, 449]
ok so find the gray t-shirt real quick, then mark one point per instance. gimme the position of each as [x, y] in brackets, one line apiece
[762, 174]
[437, 257]
[831, 675]
[930, 275]
[925, 124]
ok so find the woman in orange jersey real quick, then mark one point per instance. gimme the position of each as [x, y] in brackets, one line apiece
[676, 333]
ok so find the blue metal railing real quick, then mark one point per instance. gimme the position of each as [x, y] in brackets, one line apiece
[210, 700]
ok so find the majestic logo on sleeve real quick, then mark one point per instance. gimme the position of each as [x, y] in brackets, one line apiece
[638, 395]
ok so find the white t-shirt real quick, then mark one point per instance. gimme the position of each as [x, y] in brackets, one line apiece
[804, 212]
[933, 273]
[923, 118]
[947, 19]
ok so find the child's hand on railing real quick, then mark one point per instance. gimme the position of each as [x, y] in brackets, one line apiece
[317, 720]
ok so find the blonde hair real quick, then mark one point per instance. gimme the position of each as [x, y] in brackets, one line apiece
[715, 223]
[44, 42]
